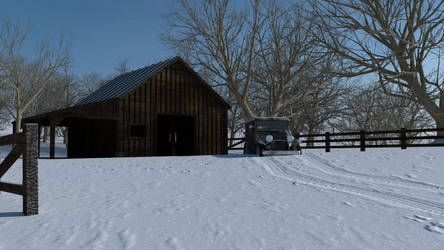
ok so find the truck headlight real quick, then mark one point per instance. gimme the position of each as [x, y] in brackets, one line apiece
[269, 138]
[290, 138]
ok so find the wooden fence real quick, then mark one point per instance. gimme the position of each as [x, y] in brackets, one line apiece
[26, 144]
[234, 143]
[363, 139]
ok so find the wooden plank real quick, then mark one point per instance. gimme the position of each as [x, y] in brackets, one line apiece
[199, 122]
[119, 131]
[218, 133]
[126, 128]
[225, 131]
[168, 90]
[152, 117]
[39, 139]
[207, 125]
[10, 159]
[137, 115]
[12, 139]
[187, 94]
[210, 126]
[327, 142]
[202, 122]
[162, 91]
[237, 143]
[196, 119]
[122, 129]
[30, 171]
[181, 94]
[173, 90]
[11, 188]
[362, 141]
[157, 109]
[146, 120]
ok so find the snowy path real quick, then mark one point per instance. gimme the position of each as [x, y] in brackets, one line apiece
[369, 188]
[380, 199]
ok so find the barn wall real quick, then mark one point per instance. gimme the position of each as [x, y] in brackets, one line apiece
[173, 91]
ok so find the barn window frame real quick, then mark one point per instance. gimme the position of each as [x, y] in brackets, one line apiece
[138, 130]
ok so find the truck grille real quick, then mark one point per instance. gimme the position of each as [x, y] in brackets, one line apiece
[279, 145]
[279, 136]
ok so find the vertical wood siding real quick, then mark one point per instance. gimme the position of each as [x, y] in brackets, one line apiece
[173, 91]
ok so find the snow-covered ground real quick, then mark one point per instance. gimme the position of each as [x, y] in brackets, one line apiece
[346, 199]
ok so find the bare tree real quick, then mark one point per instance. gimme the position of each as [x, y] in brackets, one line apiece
[121, 67]
[397, 40]
[370, 109]
[25, 80]
[219, 37]
[285, 52]
[91, 82]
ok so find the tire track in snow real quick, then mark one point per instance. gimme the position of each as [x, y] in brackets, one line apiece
[279, 170]
[328, 168]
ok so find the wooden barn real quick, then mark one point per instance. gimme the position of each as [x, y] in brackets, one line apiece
[163, 109]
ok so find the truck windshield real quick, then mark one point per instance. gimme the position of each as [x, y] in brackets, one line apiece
[271, 125]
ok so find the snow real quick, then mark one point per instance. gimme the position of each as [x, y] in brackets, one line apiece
[346, 199]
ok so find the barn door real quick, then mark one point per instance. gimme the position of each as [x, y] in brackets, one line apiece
[175, 135]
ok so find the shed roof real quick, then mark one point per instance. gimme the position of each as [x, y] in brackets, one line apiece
[124, 83]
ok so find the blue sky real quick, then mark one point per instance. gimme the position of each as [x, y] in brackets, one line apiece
[100, 33]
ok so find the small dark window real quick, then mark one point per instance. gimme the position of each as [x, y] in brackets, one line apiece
[138, 131]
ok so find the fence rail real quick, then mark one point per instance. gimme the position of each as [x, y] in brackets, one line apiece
[26, 144]
[331, 140]
[362, 137]
[232, 146]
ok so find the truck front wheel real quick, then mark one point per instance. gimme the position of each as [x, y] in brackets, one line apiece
[259, 150]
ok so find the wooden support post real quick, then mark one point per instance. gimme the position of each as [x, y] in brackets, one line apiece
[52, 142]
[39, 139]
[327, 142]
[30, 171]
[362, 139]
[403, 140]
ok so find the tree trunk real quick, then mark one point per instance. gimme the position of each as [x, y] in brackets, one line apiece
[18, 124]
[65, 136]
[45, 134]
[246, 108]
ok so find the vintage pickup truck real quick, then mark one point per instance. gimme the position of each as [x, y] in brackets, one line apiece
[270, 136]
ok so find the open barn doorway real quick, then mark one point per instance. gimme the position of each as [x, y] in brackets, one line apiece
[175, 135]
[88, 138]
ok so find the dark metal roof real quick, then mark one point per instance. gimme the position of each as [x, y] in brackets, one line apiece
[122, 84]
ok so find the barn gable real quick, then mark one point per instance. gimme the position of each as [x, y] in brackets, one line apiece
[121, 85]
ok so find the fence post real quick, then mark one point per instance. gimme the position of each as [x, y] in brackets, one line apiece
[362, 139]
[30, 170]
[327, 142]
[403, 140]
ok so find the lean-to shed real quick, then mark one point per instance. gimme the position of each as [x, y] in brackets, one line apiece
[162, 109]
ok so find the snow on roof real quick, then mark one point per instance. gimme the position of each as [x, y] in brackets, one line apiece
[268, 118]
